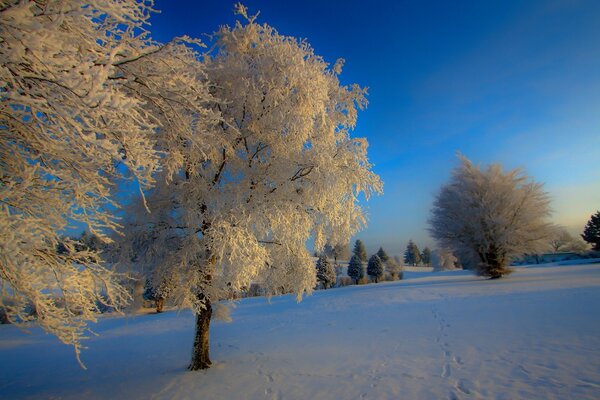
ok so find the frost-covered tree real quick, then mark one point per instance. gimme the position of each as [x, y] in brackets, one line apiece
[87, 97]
[489, 216]
[355, 269]
[383, 255]
[394, 268]
[375, 268]
[426, 256]
[360, 251]
[591, 233]
[443, 259]
[325, 272]
[563, 241]
[159, 292]
[278, 169]
[412, 256]
[337, 252]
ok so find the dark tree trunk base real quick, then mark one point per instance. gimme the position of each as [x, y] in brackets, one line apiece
[160, 302]
[200, 354]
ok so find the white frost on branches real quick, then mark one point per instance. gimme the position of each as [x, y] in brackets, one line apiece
[278, 169]
[488, 217]
[85, 95]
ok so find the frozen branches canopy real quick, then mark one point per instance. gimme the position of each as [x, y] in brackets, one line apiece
[278, 168]
[488, 217]
[84, 94]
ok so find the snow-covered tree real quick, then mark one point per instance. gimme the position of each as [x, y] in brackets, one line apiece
[412, 256]
[563, 241]
[337, 252]
[325, 272]
[360, 251]
[443, 259]
[394, 268]
[591, 233]
[426, 256]
[355, 268]
[87, 97]
[375, 268]
[488, 217]
[159, 292]
[278, 169]
[383, 255]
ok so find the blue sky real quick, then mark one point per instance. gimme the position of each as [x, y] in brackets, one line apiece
[513, 82]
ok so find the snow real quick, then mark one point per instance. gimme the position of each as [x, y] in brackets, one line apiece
[447, 335]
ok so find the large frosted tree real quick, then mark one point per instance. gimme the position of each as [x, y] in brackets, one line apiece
[87, 97]
[278, 169]
[488, 217]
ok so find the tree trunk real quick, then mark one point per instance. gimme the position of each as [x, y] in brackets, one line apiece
[200, 358]
[160, 302]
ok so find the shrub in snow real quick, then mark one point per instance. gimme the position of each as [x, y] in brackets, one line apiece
[488, 217]
[394, 269]
[442, 259]
[375, 268]
[325, 272]
[355, 269]
[591, 233]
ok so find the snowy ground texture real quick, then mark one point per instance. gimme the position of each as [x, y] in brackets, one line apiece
[534, 335]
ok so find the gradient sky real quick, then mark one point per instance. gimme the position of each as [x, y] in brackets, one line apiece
[512, 82]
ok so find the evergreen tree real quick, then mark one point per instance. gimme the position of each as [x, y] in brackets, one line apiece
[426, 256]
[591, 233]
[325, 272]
[375, 268]
[383, 255]
[360, 251]
[412, 256]
[355, 269]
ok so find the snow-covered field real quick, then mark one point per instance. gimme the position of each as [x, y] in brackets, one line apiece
[533, 335]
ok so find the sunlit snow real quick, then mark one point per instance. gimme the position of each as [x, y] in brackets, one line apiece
[450, 335]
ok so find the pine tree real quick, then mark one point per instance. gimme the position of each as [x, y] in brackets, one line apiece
[355, 269]
[412, 256]
[325, 272]
[360, 251]
[375, 268]
[591, 233]
[383, 255]
[426, 256]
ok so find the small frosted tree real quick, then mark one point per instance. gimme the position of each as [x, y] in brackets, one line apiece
[442, 260]
[394, 268]
[563, 241]
[591, 233]
[355, 269]
[375, 268]
[279, 168]
[412, 256]
[426, 256]
[337, 252]
[360, 251]
[488, 217]
[325, 272]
